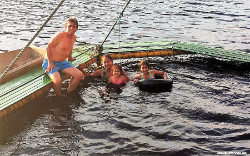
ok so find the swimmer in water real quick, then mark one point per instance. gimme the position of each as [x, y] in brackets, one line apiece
[106, 72]
[146, 73]
[117, 78]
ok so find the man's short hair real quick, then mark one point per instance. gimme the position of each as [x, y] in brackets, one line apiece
[72, 19]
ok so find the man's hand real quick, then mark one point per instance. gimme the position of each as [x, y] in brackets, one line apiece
[50, 67]
[71, 59]
[135, 80]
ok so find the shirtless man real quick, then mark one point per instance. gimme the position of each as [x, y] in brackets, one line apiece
[58, 50]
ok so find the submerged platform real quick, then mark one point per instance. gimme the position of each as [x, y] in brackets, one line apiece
[32, 84]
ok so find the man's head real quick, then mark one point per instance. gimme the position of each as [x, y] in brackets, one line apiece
[73, 20]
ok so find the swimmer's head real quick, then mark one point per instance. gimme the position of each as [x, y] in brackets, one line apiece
[107, 61]
[118, 67]
[144, 66]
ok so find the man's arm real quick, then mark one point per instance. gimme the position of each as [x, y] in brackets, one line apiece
[70, 58]
[95, 73]
[164, 74]
[137, 78]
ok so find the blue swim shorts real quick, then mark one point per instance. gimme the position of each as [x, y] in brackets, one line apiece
[59, 66]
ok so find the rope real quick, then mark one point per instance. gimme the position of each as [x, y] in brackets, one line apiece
[32, 39]
[119, 41]
[117, 21]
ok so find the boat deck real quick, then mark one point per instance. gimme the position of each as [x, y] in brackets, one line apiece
[27, 87]
[22, 89]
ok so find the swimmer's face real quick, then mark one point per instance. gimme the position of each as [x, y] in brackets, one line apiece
[107, 63]
[116, 72]
[144, 69]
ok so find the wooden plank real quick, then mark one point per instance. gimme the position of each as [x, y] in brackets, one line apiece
[21, 80]
[141, 54]
[22, 92]
[137, 47]
[193, 48]
[138, 44]
[215, 52]
[132, 49]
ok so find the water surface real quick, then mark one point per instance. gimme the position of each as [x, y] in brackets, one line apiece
[215, 23]
[205, 113]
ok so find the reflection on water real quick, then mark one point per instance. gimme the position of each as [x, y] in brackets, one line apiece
[206, 112]
[215, 23]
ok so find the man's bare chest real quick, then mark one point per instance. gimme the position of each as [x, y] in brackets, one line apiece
[66, 45]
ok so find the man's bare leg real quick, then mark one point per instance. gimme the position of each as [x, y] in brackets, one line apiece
[56, 78]
[76, 75]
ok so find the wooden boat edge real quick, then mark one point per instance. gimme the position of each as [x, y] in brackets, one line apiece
[26, 66]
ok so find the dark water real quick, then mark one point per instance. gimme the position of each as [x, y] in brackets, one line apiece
[205, 113]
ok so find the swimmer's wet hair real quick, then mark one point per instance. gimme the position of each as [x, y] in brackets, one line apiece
[107, 56]
[116, 66]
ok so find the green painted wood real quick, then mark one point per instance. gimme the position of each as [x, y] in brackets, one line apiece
[215, 52]
[21, 92]
[20, 81]
[193, 48]
[132, 47]
[27, 84]
[139, 44]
